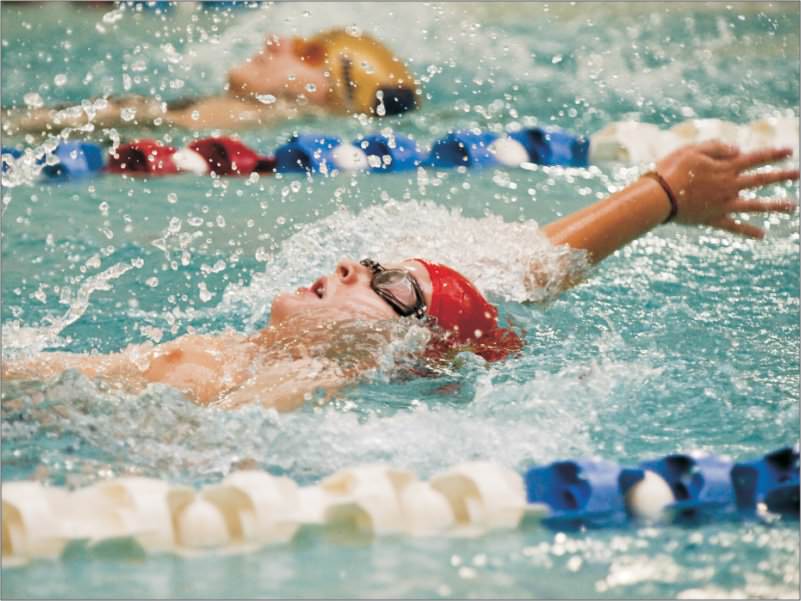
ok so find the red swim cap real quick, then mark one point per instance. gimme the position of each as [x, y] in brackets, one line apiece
[143, 157]
[469, 319]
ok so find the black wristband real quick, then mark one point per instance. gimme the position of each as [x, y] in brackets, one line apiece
[674, 206]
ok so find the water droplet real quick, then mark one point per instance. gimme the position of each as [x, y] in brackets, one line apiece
[113, 16]
[172, 198]
[128, 114]
[205, 295]
[310, 87]
[152, 282]
[265, 98]
[33, 100]
[195, 115]
[60, 79]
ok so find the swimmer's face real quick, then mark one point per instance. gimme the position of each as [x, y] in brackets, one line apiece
[344, 294]
[276, 69]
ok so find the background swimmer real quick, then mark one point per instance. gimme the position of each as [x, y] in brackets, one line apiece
[336, 71]
[282, 366]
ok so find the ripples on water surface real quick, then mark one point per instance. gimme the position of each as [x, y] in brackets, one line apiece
[687, 339]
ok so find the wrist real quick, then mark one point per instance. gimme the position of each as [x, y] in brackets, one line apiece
[672, 203]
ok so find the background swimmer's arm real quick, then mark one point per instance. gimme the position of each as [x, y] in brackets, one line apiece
[706, 180]
[287, 385]
[139, 111]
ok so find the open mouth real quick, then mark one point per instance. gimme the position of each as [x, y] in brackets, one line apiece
[318, 287]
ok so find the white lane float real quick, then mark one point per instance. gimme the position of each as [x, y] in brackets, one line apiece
[509, 152]
[258, 508]
[485, 496]
[648, 498]
[129, 507]
[348, 157]
[364, 498]
[635, 142]
[31, 524]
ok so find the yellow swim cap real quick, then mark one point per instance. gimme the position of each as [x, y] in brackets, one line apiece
[365, 76]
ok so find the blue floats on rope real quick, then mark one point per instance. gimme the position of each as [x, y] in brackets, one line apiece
[463, 149]
[699, 484]
[76, 159]
[581, 493]
[771, 481]
[228, 4]
[593, 493]
[395, 153]
[554, 147]
[310, 153]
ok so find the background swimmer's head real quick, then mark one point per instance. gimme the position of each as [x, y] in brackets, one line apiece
[463, 318]
[350, 72]
[280, 70]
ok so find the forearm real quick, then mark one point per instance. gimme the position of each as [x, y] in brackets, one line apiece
[45, 365]
[611, 223]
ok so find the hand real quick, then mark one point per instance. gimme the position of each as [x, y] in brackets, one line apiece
[707, 179]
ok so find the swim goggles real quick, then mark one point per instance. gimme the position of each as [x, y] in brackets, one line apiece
[398, 288]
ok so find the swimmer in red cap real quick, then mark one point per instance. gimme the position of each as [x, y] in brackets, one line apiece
[334, 72]
[319, 337]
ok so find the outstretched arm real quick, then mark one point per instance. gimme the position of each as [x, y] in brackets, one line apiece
[706, 180]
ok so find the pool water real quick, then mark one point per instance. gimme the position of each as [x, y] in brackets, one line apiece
[686, 339]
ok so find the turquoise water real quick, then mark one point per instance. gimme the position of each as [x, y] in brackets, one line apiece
[686, 339]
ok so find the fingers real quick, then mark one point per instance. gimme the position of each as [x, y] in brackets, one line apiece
[762, 205]
[755, 180]
[717, 149]
[765, 156]
[744, 229]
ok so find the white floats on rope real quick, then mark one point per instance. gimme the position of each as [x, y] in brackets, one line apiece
[634, 142]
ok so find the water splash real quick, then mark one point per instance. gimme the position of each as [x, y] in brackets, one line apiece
[21, 340]
[399, 230]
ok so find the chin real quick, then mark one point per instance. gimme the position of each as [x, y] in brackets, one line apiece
[283, 307]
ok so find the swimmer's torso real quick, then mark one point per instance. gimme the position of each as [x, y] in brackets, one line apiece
[202, 367]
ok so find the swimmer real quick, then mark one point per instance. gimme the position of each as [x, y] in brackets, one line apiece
[281, 367]
[334, 72]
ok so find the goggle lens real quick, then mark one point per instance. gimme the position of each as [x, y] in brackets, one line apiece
[397, 283]
[398, 288]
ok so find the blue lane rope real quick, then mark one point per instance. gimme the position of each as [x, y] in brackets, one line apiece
[592, 493]
[315, 153]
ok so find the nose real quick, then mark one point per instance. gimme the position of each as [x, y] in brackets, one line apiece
[348, 271]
